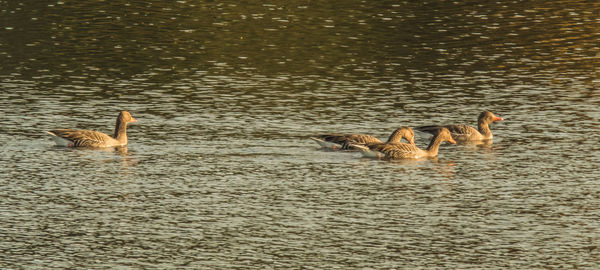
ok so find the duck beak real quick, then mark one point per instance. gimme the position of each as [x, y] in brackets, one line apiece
[411, 140]
[496, 119]
[452, 141]
[133, 120]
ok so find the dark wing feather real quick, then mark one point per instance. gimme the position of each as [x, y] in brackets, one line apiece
[334, 138]
[347, 139]
[462, 130]
[456, 130]
[429, 129]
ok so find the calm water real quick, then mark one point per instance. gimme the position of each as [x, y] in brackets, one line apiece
[220, 173]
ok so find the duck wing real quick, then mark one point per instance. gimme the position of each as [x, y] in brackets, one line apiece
[347, 140]
[83, 138]
[455, 130]
[461, 130]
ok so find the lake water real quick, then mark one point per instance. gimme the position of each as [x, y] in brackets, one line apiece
[220, 173]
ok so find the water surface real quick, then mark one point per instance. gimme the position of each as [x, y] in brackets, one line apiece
[220, 173]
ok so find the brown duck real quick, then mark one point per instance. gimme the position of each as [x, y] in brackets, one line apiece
[90, 138]
[464, 133]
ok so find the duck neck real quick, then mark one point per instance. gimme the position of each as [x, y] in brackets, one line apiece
[484, 128]
[121, 131]
[434, 145]
[396, 137]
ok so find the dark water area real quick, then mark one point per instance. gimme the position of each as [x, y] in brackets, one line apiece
[220, 173]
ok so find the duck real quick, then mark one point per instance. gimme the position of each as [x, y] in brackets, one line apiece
[349, 141]
[94, 139]
[466, 134]
[407, 151]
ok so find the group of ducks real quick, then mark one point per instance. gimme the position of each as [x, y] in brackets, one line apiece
[368, 145]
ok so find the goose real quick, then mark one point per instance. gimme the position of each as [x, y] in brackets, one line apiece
[90, 138]
[466, 134]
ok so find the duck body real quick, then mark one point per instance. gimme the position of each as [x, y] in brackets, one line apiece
[344, 141]
[94, 139]
[394, 151]
[350, 141]
[462, 133]
[83, 138]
